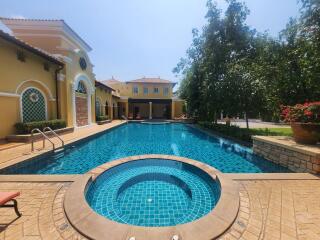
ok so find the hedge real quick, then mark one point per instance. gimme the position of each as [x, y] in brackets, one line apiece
[26, 128]
[101, 118]
[242, 134]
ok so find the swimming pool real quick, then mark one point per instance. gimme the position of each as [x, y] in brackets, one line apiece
[140, 139]
[153, 193]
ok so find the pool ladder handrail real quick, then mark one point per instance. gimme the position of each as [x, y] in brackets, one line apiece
[45, 137]
[48, 129]
[125, 118]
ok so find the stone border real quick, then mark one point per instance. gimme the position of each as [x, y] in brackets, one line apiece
[26, 138]
[289, 144]
[271, 176]
[285, 152]
[40, 178]
[95, 226]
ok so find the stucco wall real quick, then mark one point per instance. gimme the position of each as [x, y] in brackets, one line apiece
[126, 89]
[73, 73]
[105, 97]
[178, 109]
[16, 77]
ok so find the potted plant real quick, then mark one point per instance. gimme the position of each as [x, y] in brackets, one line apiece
[304, 120]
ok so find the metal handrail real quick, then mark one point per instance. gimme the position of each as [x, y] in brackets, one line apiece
[125, 118]
[44, 139]
[54, 133]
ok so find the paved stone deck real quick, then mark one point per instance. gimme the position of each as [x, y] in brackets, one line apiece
[42, 213]
[270, 209]
[273, 209]
[20, 152]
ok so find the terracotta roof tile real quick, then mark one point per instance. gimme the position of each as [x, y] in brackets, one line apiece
[151, 80]
[47, 20]
[103, 85]
[27, 46]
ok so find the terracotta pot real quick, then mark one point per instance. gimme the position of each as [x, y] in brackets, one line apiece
[306, 133]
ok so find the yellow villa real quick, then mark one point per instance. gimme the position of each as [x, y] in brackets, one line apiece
[147, 98]
[55, 78]
[56, 81]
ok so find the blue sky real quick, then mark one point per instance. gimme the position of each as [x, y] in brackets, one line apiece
[135, 38]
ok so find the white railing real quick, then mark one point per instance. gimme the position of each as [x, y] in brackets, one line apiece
[45, 137]
[48, 129]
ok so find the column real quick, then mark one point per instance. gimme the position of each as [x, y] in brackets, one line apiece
[173, 110]
[150, 110]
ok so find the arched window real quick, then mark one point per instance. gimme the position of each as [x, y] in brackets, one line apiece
[81, 88]
[33, 105]
[98, 107]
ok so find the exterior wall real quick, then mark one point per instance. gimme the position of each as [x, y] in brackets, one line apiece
[16, 77]
[126, 89]
[294, 158]
[115, 107]
[105, 96]
[50, 36]
[177, 110]
[10, 106]
[73, 73]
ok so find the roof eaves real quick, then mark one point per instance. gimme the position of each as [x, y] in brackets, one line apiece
[100, 84]
[30, 48]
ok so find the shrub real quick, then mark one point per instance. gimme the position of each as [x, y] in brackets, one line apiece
[242, 134]
[26, 128]
[101, 118]
[303, 113]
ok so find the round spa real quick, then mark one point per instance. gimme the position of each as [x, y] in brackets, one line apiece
[153, 193]
[152, 197]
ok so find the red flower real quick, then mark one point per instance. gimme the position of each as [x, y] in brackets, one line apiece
[308, 113]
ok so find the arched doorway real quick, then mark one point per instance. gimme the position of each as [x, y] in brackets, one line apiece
[81, 104]
[83, 89]
[107, 109]
[33, 105]
[98, 108]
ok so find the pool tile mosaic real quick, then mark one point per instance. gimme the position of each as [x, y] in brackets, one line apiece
[153, 193]
[140, 139]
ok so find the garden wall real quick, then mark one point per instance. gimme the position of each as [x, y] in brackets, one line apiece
[287, 153]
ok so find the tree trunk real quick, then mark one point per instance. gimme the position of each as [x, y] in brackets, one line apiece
[247, 120]
[215, 117]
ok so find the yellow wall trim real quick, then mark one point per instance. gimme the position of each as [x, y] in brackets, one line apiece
[6, 94]
[41, 83]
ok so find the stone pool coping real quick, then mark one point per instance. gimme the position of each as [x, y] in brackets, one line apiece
[95, 226]
[4, 163]
[290, 144]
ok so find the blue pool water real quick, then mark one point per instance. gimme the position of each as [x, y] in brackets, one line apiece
[153, 193]
[138, 139]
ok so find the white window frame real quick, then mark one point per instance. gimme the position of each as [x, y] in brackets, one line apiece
[145, 92]
[134, 88]
[166, 91]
